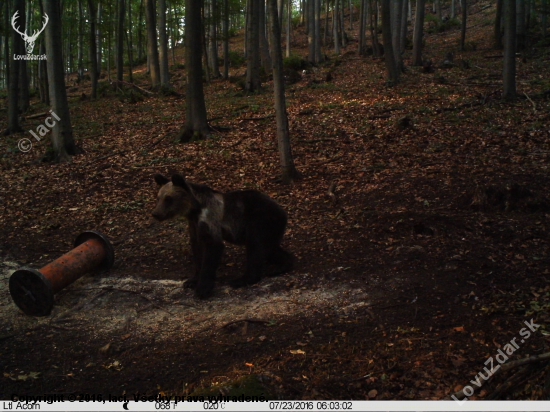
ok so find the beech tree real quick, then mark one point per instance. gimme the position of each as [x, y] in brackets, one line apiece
[152, 48]
[391, 65]
[163, 46]
[418, 32]
[196, 125]
[63, 144]
[288, 170]
[509, 71]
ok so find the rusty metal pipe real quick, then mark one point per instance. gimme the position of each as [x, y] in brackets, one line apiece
[33, 290]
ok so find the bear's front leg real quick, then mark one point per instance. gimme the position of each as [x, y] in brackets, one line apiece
[196, 256]
[211, 250]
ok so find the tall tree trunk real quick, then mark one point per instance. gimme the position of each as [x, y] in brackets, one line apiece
[80, 40]
[288, 170]
[373, 5]
[140, 32]
[391, 66]
[253, 81]
[404, 28]
[264, 47]
[463, 28]
[24, 100]
[130, 45]
[418, 32]
[94, 74]
[336, 38]
[120, 41]
[43, 74]
[213, 39]
[453, 9]
[152, 49]
[310, 17]
[196, 125]
[62, 133]
[7, 32]
[14, 79]
[509, 72]
[226, 39]
[362, 28]
[521, 28]
[288, 25]
[99, 35]
[498, 26]
[396, 14]
[317, 26]
[163, 46]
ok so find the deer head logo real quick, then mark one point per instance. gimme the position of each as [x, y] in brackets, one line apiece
[29, 40]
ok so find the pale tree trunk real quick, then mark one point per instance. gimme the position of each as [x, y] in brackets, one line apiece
[152, 49]
[453, 9]
[288, 170]
[418, 32]
[62, 133]
[120, 41]
[163, 46]
[521, 28]
[464, 22]
[264, 46]
[99, 38]
[509, 72]
[226, 39]
[196, 125]
[94, 74]
[498, 26]
[391, 66]
[253, 81]
[140, 31]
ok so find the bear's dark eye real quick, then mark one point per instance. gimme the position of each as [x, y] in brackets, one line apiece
[168, 199]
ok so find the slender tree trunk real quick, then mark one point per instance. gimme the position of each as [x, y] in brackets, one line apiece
[310, 17]
[336, 38]
[288, 170]
[152, 49]
[62, 133]
[213, 39]
[264, 47]
[43, 73]
[253, 81]
[521, 28]
[99, 41]
[509, 73]
[498, 26]
[391, 66]
[80, 40]
[404, 28]
[463, 28]
[163, 46]
[317, 27]
[396, 13]
[376, 52]
[7, 31]
[288, 24]
[129, 44]
[418, 32]
[120, 41]
[453, 9]
[14, 79]
[226, 39]
[196, 126]
[24, 100]
[94, 74]
[140, 32]
[362, 28]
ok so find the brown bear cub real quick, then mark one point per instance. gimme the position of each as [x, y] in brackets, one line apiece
[246, 217]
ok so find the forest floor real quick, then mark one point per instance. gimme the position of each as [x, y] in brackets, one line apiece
[429, 257]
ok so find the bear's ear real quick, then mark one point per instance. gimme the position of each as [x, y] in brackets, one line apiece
[179, 180]
[161, 180]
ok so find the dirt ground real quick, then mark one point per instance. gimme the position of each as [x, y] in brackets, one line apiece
[427, 259]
